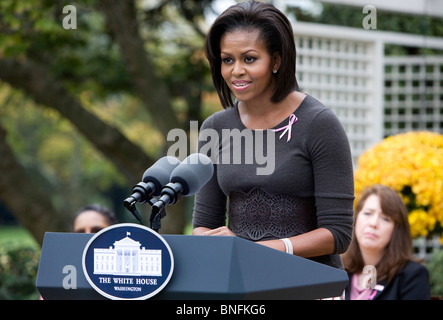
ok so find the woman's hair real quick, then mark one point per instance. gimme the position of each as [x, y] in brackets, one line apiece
[399, 249]
[274, 29]
[105, 212]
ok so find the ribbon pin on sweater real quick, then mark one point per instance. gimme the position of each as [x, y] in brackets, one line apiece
[288, 128]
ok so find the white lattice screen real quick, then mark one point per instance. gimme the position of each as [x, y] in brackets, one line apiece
[341, 73]
[413, 94]
[373, 96]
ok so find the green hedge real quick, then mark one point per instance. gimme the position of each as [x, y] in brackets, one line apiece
[435, 267]
[18, 272]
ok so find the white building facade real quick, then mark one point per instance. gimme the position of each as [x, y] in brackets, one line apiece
[127, 257]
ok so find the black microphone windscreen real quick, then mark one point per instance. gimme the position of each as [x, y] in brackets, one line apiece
[160, 172]
[193, 173]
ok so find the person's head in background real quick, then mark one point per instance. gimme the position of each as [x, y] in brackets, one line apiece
[381, 233]
[93, 218]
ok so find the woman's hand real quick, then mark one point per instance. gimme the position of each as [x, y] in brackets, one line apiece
[222, 231]
[311, 244]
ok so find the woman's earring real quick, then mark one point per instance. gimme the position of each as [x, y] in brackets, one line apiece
[275, 71]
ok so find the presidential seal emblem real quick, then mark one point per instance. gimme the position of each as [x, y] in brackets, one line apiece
[128, 261]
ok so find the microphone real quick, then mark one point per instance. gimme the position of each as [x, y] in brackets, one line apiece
[186, 179]
[152, 183]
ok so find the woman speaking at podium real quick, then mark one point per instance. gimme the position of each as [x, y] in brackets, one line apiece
[303, 203]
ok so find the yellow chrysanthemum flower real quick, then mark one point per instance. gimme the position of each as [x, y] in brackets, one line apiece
[412, 164]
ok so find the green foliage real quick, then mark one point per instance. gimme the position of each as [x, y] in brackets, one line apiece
[54, 154]
[85, 58]
[435, 267]
[25, 23]
[352, 16]
[18, 272]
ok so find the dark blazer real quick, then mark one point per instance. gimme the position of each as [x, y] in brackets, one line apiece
[410, 283]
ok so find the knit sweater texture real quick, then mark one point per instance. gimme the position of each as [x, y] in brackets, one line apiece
[304, 183]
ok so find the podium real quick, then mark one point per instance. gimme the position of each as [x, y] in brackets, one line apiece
[205, 268]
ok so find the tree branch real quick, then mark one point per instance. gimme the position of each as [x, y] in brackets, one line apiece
[122, 21]
[31, 204]
[37, 81]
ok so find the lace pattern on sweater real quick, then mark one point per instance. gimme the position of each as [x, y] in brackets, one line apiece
[259, 215]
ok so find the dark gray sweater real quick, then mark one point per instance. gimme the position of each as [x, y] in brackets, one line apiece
[311, 185]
